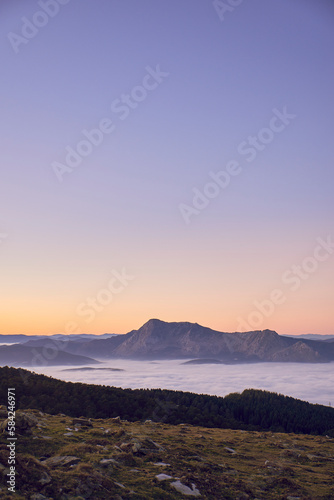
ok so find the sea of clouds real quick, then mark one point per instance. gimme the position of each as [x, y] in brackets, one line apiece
[309, 382]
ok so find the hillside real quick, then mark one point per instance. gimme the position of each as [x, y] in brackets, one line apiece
[61, 458]
[250, 410]
[26, 356]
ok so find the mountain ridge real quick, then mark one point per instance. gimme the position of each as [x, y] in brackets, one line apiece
[157, 339]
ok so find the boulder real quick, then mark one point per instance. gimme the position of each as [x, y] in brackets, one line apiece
[163, 477]
[84, 422]
[230, 450]
[141, 447]
[61, 461]
[116, 420]
[45, 479]
[185, 490]
[3, 411]
[105, 462]
[24, 422]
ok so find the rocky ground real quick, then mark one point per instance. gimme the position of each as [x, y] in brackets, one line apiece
[58, 457]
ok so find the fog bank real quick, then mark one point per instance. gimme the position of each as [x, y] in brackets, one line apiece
[309, 382]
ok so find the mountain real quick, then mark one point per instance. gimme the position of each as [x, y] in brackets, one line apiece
[157, 339]
[298, 352]
[22, 338]
[312, 336]
[22, 355]
[80, 336]
[183, 340]
[101, 348]
[13, 339]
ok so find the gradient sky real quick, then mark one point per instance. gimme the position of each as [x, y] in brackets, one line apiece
[63, 243]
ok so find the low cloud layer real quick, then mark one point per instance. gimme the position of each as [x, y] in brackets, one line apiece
[309, 382]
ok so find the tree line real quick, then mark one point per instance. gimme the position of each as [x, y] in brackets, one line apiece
[255, 410]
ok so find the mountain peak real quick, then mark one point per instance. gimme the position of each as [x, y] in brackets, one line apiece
[153, 321]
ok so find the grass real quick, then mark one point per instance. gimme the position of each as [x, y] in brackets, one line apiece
[264, 465]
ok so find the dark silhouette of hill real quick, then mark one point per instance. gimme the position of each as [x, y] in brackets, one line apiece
[251, 410]
[23, 355]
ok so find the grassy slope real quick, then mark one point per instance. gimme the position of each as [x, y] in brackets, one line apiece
[265, 466]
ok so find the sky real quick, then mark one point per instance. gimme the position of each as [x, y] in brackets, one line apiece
[167, 160]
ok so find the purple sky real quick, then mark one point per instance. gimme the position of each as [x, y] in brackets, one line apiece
[129, 207]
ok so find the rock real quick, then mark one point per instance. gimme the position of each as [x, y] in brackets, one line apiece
[161, 464]
[3, 411]
[142, 448]
[24, 422]
[68, 434]
[84, 422]
[197, 458]
[45, 479]
[3, 426]
[136, 447]
[120, 485]
[182, 488]
[151, 445]
[230, 450]
[61, 461]
[290, 453]
[163, 477]
[116, 420]
[315, 457]
[108, 461]
[271, 465]
[38, 496]
[126, 446]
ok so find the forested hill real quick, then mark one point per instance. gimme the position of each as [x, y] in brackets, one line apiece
[251, 410]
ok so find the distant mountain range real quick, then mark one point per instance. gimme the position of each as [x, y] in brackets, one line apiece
[20, 338]
[160, 340]
[312, 336]
[21, 355]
